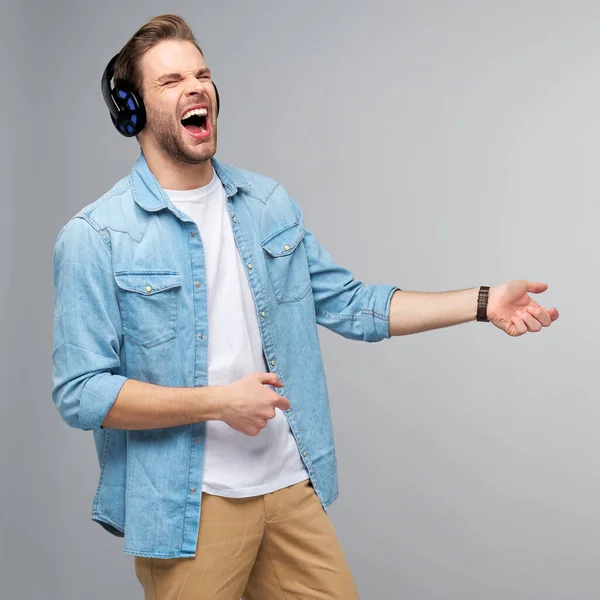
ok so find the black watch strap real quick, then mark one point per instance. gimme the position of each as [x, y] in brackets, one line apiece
[482, 302]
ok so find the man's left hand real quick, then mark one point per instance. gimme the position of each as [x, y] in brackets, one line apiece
[511, 309]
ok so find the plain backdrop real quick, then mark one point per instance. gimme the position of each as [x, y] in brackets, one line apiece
[435, 145]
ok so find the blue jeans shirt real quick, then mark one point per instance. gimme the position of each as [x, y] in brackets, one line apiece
[130, 303]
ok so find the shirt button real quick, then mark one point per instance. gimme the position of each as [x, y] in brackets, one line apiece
[286, 248]
[263, 314]
[249, 265]
[197, 440]
[273, 363]
[148, 288]
[193, 491]
[198, 284]
[192, 233]
[304, 454]
[234, 220]
[201, 336]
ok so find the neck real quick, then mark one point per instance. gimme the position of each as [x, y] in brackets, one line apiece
[176, 175]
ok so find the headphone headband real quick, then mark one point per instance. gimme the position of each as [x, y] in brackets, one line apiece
[107, 76]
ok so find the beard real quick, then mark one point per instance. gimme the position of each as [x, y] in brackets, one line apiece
[169, 137]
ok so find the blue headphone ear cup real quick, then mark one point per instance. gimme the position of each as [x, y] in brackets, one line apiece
[131, 117]
[126, 108]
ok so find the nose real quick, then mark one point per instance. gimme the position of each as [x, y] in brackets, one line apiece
[195, 87]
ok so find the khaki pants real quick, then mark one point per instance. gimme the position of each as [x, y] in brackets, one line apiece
[280, 546]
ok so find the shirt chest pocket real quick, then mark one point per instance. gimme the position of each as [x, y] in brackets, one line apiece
[287, 264]
[148, 301]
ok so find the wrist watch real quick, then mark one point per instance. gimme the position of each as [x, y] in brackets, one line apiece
[482, 302]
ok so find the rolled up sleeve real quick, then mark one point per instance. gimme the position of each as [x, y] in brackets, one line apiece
[87, 327]
[376, 313]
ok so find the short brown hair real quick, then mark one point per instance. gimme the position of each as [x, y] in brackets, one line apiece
[158, 29]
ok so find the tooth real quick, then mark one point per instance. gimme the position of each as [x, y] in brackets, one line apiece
[201, 112]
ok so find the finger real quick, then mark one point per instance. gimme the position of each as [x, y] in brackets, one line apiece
[536, 287]
[530, 321]
[540, 314]
[269, 379]
[520, 327]
[282, 403]
[553, 314]
[268, 413]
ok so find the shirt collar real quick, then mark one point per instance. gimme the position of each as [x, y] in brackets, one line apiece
[150, 195]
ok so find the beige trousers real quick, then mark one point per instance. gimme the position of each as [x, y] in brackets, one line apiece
[280, 546]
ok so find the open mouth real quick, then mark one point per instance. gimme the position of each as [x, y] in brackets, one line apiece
[195, 122]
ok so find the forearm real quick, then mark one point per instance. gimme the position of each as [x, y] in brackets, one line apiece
[414, 312]
[142, 405]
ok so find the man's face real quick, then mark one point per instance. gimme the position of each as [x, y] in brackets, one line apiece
[175, 84]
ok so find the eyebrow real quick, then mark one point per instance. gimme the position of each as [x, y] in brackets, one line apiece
[167, 76]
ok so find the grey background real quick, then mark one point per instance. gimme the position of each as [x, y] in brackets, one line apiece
[434, 145]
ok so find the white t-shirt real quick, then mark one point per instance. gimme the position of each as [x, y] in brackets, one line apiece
[236, 465]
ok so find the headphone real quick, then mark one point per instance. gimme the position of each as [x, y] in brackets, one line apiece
[126, 107]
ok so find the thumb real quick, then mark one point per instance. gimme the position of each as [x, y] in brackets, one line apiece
[536, 287]
[270, 379]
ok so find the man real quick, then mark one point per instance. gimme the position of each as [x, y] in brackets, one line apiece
[187, 300]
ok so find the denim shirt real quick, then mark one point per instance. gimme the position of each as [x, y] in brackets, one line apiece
[131, 302]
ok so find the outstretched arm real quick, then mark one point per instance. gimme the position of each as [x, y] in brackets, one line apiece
[510, 308]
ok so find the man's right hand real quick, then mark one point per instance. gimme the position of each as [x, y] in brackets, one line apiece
[247, 404]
